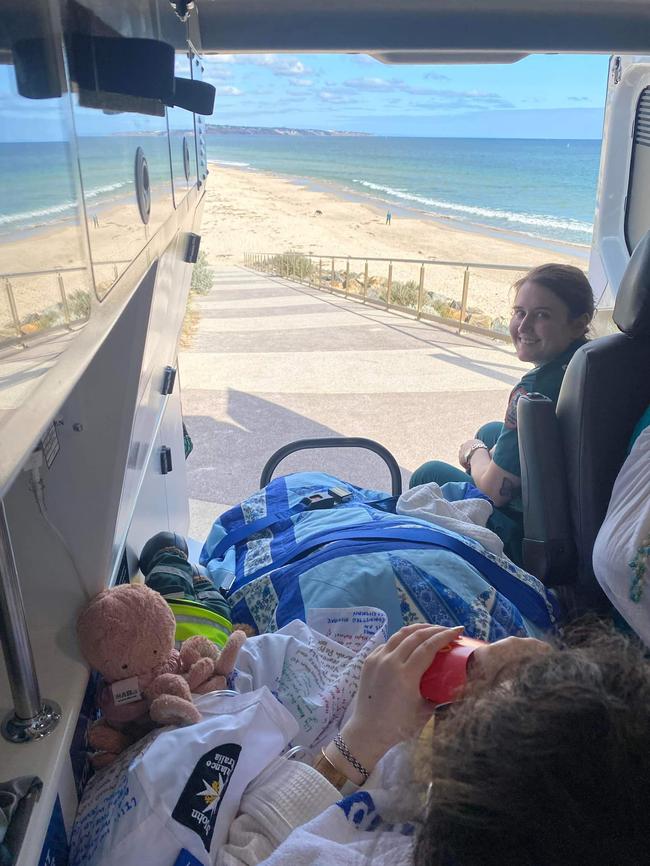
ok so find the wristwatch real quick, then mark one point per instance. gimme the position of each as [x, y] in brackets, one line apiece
[472, 448]
[326, 768]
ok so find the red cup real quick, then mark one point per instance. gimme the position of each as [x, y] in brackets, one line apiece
[446, 676]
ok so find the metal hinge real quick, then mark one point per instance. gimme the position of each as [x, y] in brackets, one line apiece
[165, 460]
[192, 248]
[169, 379]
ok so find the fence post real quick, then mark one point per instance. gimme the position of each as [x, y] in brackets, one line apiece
[64, 300]
[13, 308]
[365, 281]
[332, 277]
[347, 276]
[389, 284]
[320, 274]
[421, 291]
[463, 302]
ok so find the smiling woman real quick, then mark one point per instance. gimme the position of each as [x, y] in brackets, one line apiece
[553, 308]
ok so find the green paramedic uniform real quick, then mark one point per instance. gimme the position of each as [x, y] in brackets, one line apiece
[545, 379]
[506, 521]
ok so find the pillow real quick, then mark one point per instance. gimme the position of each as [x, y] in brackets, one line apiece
[620, 555]
[177, 791]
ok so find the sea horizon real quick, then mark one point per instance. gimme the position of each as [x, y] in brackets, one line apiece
[543, 189]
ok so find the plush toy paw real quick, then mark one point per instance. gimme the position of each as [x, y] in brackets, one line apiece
[228, 656]
[204, 666]
[214, 684]
[195, 648]
[103, 738]
[168, 684]
[248, 630]
[102, 759]
[174, 710]
[171, 701]
[199, 674]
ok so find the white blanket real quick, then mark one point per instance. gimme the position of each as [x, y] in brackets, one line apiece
[464, 516]
[371, 827]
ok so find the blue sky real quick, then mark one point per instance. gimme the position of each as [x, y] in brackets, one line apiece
[551, 96]
[555, 96]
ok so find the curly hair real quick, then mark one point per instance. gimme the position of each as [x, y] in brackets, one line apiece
[551, 768]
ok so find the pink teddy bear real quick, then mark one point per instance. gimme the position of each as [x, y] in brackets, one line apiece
[127, 634]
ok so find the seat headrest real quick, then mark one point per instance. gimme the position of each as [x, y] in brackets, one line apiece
[632, 307]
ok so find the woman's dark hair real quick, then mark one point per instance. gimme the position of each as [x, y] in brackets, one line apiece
[568, 283]
[551, 768]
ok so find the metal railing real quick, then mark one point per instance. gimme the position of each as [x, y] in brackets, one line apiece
[342, 275]
[37, 322]
[69, 312]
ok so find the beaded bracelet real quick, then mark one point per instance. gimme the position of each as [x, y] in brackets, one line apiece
[339, 742]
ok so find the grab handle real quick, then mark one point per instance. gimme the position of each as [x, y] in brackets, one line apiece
[335, 442]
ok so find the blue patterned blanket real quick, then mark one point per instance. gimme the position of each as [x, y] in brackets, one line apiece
[280, 556]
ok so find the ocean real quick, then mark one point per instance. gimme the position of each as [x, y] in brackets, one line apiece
[538, 188]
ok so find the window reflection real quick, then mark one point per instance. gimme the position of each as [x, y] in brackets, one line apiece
[43, 278]
[181, 138]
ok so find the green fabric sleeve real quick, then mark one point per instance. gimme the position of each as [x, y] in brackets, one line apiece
[643, 422]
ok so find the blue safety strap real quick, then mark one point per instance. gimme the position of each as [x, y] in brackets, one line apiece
[242, 532]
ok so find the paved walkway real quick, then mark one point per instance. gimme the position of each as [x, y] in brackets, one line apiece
[272, 361]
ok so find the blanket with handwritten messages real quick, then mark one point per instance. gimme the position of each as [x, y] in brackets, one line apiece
[313, 668]
[310, 540]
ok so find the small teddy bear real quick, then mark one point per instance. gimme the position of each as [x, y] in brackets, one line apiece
[127, 634]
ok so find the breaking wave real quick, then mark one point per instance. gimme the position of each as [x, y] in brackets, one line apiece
[508, 217]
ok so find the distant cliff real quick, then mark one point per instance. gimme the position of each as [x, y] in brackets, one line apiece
[278, 130]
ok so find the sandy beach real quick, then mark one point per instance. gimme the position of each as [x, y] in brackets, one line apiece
[253, 211]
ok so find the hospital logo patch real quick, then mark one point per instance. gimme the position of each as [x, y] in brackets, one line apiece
[199, 802]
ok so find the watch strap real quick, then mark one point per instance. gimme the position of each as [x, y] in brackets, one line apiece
[326, 768]
[477, 446]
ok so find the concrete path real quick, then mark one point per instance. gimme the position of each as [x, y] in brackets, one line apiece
[272, 361]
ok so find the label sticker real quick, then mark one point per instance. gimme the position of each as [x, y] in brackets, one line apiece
[126, 691]
[198, 804]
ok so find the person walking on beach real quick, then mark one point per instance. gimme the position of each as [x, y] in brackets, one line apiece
[389, 217]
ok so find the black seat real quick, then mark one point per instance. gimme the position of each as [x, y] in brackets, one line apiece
[570, 457]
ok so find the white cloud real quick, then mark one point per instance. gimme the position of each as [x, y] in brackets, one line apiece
[220, 58]
[380, 85]
[438, 97]
[302, 82]
[279, 65]
[336, 98]
[388, 85]
[227, 90]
